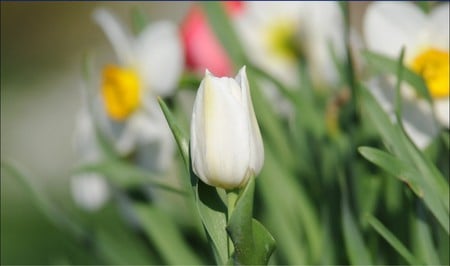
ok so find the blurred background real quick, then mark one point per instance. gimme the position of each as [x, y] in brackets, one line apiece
[42, 47]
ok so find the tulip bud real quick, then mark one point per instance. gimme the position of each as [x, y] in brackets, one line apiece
[226, 144]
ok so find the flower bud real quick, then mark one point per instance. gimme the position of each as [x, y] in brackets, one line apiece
[226, 144]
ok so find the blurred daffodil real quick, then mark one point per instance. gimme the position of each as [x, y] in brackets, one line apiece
[124, 107]
[149, 65]
[276, 35]
[89, 190]
[226, 144]
[389, 26]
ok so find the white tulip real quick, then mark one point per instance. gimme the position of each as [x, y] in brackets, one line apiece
[226, 144]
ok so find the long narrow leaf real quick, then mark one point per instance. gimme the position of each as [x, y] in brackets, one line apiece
[393, 241]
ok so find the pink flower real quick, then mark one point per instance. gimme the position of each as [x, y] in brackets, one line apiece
[202, 49]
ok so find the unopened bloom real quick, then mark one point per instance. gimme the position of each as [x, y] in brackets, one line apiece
[390, 26]
[226, 144]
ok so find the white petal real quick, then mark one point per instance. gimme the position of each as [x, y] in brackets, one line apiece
[256, 144]
[159, 57]
[439, 27]
[156, 146]
[116, 35]
[419, 122]
[138, 128]
[251, 28]
[322, 25]
[85, 140]
[417, 117]
[90, 191]
[219, 136]
[390, 25]
[383, 92]
[442, 110]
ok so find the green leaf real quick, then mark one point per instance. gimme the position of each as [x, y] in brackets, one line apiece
[400, 169]
[289, 225]
[122, 248]
[252, 247]
[354, 242]
[210, 207]
[180, 136]
[189, 80]
[397, 141]
[423, 238]
[163, 232]
[393, 241]
[40, 198]
[139, 20]
[224, 31]
[213, 211]
[398, 97]
[409, 174]
[385, 64]
[126, 175]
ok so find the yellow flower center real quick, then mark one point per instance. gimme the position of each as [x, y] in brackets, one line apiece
[280, 39]
[120, 91]
[433, 65]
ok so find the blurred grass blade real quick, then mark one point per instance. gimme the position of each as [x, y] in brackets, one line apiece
[297, 230]
[409, 174]
[423, 238]
[354, 242]
[224, 31]
[385, 64]
[272, 127]
[139, 20]
[393, 241]
[122, 248]
[398, 142]
[181, 137]
[403, 171]
[42, 201]
[163, 232]
[398, 97]
[126, 175]
[209, 205]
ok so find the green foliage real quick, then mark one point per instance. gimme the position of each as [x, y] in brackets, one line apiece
[342, 181]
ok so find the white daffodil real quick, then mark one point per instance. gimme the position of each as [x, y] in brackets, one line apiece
[124, 106]
[148, 66]
[275, 34]
[226, 144]
[389, 26]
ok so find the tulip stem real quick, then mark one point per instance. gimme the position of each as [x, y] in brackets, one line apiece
[232, 196]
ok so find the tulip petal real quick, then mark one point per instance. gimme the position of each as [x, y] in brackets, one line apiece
[219, 134]
[159, 57]
[116, 35]
[256, 144]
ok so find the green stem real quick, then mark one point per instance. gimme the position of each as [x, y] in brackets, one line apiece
[232, 196]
